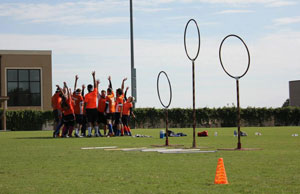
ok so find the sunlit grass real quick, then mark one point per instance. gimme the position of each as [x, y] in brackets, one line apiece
[33, 162]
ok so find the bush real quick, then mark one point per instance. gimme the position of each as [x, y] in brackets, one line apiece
[177, 117]
[24, 120]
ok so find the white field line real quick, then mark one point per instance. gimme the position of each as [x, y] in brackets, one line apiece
[94, 148]
[133, 149]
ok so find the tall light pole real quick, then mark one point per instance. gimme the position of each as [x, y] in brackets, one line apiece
[133, 70]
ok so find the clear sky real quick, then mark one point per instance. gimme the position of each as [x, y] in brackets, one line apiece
[94, 35]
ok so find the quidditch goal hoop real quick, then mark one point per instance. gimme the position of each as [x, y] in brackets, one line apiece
[239, 144]
[198, 31]
[220, 56]
[158, 77]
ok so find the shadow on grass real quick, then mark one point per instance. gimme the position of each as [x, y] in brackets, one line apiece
[37, 138]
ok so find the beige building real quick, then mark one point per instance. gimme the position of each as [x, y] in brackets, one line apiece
[26, 78]
[294, 93]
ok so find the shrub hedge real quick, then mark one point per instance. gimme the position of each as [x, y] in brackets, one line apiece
[155, 118]
[27, 120]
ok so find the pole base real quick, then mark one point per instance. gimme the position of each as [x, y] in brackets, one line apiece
[239, 146]
[167, 142]
[194, 145]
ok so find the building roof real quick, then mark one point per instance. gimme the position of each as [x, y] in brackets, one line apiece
[295, 81]
[25, 52]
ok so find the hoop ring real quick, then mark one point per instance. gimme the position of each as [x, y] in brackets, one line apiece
[220, 50]
[192, 59]
[162, 72]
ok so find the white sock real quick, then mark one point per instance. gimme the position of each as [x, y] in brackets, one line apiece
[76, 131]
[90, 130]
[97, 130]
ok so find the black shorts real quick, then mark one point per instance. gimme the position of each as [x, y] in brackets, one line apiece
[69, 120]
[84, 119]
[57, 115]
[92, 115]
[125, 119]
[79, 119]
[118, 118]
[110, 116]
[101, 118]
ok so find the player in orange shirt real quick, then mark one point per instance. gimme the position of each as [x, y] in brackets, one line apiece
[90, 105]
[127, 111]
[67, 106]
[101, 109]
[84, 118]
[56, 106]
[78, 108]
[110, 107]
[119, 108]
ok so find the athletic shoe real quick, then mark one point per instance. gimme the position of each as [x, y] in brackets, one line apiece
[89, 135]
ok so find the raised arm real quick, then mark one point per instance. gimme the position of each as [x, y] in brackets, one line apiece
[110, 85]
[97, 83]
[122, 86]
[68, 91]
[82, 91]
[60, 89]
[64, 89]
[94, 79]
[125, 95]
[75, 85]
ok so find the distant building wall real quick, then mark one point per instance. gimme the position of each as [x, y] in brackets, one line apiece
[26, 77]
[294, 93]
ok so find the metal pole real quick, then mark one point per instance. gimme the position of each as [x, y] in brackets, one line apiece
[167, 128]
[194, 111]
[133, 73]
[133, 78]
[239, 145]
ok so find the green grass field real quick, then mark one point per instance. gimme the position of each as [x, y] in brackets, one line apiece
[33, 162]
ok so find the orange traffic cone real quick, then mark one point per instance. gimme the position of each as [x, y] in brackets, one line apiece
[221, 177]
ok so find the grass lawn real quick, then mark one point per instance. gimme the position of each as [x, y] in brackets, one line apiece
[33, 162]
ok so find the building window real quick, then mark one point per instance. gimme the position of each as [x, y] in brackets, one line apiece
[24, 87]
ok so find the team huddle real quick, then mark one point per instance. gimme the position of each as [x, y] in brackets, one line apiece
[78, 112]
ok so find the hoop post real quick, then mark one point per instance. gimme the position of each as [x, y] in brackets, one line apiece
[167, 128]
[194, 110]
[165, 106]
[193, 73]
[236, 77]
[239, 144]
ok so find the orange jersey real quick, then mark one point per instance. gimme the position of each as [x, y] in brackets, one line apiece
[70, 110]
[110, 99]
[126, 108]
[119, 103]
[56, 101]
[91, 99]
[78, 102]
[101, 104]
